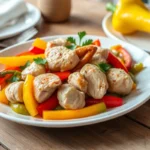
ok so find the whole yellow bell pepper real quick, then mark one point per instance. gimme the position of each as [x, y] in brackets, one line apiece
[72, 114]
[18, 60]
[28, 96]
[3, 98]
[130, 16]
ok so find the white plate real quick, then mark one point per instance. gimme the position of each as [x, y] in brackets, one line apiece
[132, 101]
[140, 39]
[24, 22]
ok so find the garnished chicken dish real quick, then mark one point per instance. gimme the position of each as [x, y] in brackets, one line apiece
[67, 78]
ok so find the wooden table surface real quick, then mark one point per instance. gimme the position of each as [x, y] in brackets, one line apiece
[129, 132]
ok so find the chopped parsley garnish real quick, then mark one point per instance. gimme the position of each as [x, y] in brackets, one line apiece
[87, 42]
[72, 47]
[73, 42]
[40, 61]
[104, 67]
[81, 35]
[14, 78]
[25, 66]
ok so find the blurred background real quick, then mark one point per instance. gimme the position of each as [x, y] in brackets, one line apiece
[22, 20]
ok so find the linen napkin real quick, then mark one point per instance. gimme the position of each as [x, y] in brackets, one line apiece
[10, 10]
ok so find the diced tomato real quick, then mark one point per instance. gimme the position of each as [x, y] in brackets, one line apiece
[36, 50]
[50, 104]
[113, 60]
[97, 42]
[126, 56]
[63, 75]
[109, 100]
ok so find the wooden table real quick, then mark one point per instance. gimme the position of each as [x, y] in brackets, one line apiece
[129, 132]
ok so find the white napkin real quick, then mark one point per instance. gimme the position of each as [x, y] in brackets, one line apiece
[11, 9]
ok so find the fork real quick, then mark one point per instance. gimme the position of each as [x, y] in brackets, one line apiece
[22, 37]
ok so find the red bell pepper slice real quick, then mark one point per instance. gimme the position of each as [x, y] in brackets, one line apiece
[126, 56]
[25, 53]
[63, 75]
[12, 68]
[50, 104]
[113, 60]
[97, 42]
[6, 77]
[110, 101]
[36, 50]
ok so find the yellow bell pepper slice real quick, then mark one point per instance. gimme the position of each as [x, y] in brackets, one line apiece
[136, 68]
[39, 43]
[3, 98]
[73, 114]
[18, 60]
[28, 96]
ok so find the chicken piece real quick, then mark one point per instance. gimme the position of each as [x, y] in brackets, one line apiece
[57, 42]
[14, 92]
[34, 69]
[77, 80]
[61, 59]
[100, 56]
[45, 85]
[119, 81]
[97, 82]
[70, 98]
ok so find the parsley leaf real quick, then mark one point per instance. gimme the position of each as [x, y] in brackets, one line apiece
[81, 35]
[40, 61]
[87, 42]
[3, 73]
[14, 78]
[71, 40]
[104, 67]
[25, 66]
[72, 47]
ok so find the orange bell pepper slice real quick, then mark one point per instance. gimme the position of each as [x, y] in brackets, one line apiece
[28, 96]
[73, 114]
[39, 43]
[18, 60]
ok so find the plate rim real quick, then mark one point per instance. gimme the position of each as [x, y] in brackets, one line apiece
[73, 122]
[29, 5]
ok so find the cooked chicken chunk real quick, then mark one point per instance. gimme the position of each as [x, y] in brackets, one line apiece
[61, 59]
[97, 82]
[77, 80]
[70, 98]
[100, 56]
[119, 81]
[45, 85]
[14, 92]
[57, 42]
[34, 69]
